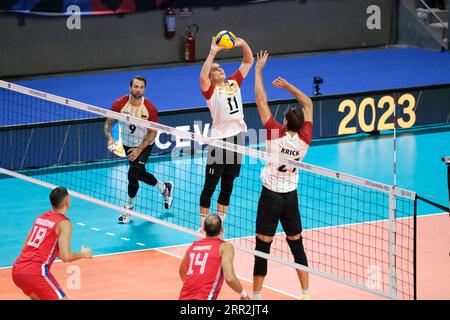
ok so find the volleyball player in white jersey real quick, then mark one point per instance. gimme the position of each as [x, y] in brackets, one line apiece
[279, 200]
[223, 97]
[137, 143]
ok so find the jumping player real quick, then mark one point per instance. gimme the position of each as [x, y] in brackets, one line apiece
[279, 200]
[48, 238]
[223, 97]
[206, 263]
[137, 143]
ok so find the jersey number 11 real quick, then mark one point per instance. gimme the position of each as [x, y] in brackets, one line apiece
[236, 106]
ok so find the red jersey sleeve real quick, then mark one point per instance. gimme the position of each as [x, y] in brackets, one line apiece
[153, 113]
[119, 103]
[208, 93]
[237, 76]
[274, 129]
[306, 133]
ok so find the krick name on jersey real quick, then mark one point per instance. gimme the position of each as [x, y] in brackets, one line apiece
[290, 152]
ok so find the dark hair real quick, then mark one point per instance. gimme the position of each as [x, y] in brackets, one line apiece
[213, 225]
[140, 78]
[57, 196]
[295, 119]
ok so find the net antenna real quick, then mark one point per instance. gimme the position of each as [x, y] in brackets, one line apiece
[393, 210]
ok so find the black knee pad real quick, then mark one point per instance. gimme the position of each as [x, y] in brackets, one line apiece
[226, 187]
[298, 251]
[260, 268]
[208, 190]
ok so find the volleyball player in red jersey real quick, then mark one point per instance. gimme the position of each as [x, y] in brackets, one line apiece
[48, 238]
[207, 263]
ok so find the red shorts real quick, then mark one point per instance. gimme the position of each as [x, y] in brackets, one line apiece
[43, 285]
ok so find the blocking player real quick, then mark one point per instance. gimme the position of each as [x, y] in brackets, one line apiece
[223, 97]
[49, 238]
[278, 200]
[137, 143]
[207, 263]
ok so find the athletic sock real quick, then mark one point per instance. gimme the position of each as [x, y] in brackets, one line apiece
[160, 186]
[256, 295]
[222, 216]
[202, 221]
[130, 201]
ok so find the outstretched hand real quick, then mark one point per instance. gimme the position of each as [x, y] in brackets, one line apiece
[214, 47]
[239, 42]
[279, 82]
[261, 59]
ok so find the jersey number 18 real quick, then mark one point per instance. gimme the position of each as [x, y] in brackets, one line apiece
[37, 235]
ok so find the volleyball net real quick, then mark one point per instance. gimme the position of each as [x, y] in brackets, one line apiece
[355, 231]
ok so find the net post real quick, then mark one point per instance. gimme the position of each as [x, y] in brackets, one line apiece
[415, 251]
[392, 231]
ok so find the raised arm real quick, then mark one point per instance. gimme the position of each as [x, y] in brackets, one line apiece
[205, 82]
[260, 92]
[227, 254]
[64, 230]
[303, 99]
[248, 59]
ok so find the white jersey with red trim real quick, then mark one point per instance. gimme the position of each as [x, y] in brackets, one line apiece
[131, 135]
[225, 104]
[275, 176]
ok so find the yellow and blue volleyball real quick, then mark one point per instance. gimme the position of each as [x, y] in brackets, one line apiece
[225, 39]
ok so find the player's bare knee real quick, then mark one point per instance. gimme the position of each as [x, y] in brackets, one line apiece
[264, 238]
[296, 237]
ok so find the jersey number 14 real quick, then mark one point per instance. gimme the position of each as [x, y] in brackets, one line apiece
[197, 260]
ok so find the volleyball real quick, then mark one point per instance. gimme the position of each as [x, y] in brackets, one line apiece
[225, 39]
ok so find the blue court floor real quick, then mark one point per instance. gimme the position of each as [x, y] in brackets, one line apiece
[347, 72]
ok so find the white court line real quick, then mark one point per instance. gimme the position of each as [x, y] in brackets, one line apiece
[187, 244]
[241, 278]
